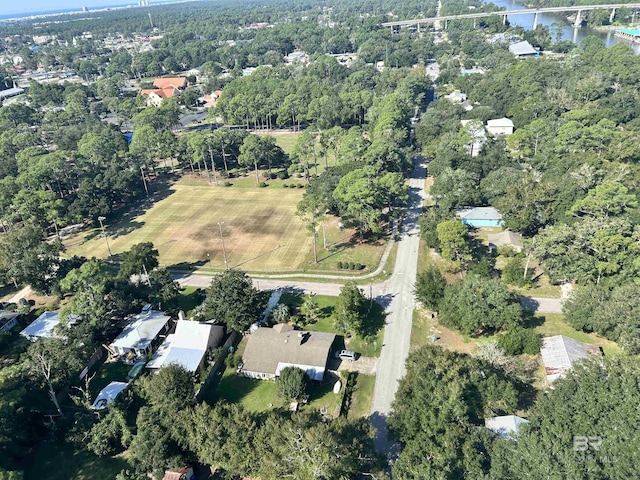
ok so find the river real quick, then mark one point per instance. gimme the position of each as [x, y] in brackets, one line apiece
[568, 32]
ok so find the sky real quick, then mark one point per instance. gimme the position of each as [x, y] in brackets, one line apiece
[7, 7]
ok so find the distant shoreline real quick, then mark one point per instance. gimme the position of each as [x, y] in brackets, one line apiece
[20, 17]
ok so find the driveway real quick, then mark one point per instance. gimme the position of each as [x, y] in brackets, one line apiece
[364, 365]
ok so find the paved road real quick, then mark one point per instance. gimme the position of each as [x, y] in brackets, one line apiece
[397, 334]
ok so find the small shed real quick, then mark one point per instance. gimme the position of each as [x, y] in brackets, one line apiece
[185, 473]
[480, 217]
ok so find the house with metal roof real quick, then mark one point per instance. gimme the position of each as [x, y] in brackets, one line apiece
[560, 354]
[523, 49]
[188, 346]
[270, 350]
[41, 327]
[140, 334]
[480, 216]
[507, 426]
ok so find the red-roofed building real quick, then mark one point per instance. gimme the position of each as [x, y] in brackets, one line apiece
[165, 88]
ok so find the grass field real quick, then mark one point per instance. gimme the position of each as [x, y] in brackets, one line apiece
[362, 397]
[285, 140]
[63, 461]
[261, 231]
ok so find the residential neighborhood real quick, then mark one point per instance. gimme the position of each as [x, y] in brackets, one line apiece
[319, 240]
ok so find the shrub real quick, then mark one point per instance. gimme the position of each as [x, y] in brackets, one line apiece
[301, 185]
[519, 340]
[340, 265]
[283, 175]
[292, 383]
[227, 183]
[285, 185]
[262, 184]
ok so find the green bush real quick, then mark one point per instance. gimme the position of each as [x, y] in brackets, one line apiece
[340, 266]
[513, 273]
[292, 383]
[301, 185]
[262, 185]
[285, 185]
[519, 340]
[227, 183]
[352, 266]
[283, 175]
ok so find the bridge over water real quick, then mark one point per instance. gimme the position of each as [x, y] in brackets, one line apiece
[526, 11]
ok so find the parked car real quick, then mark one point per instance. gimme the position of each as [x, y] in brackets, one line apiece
[347, 355]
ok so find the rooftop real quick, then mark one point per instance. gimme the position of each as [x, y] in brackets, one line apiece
[479, 213]
[142, 330]
[269, 350]
[108, 394]
[41, 327]
[186, 347]
[500, 122]
[506, 238]
[559, 353]
[506, 426]
[522, 48]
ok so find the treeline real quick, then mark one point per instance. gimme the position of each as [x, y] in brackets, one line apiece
[439, 411]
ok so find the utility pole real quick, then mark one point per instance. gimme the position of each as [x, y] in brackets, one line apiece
[224, 250]
[104, 234]
[324, 237]
[144, 180]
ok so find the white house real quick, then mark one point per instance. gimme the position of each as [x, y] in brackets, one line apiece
[507, 426]
[188, 346]
[270, 350]
[500, 126]
[137, 338]
[41, 327]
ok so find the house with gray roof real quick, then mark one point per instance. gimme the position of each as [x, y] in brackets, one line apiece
[480, 216]
[523, 49]
[270, 350]
[560, 354]
[506, 238]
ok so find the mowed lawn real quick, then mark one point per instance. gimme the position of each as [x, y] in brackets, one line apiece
[261, 231]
